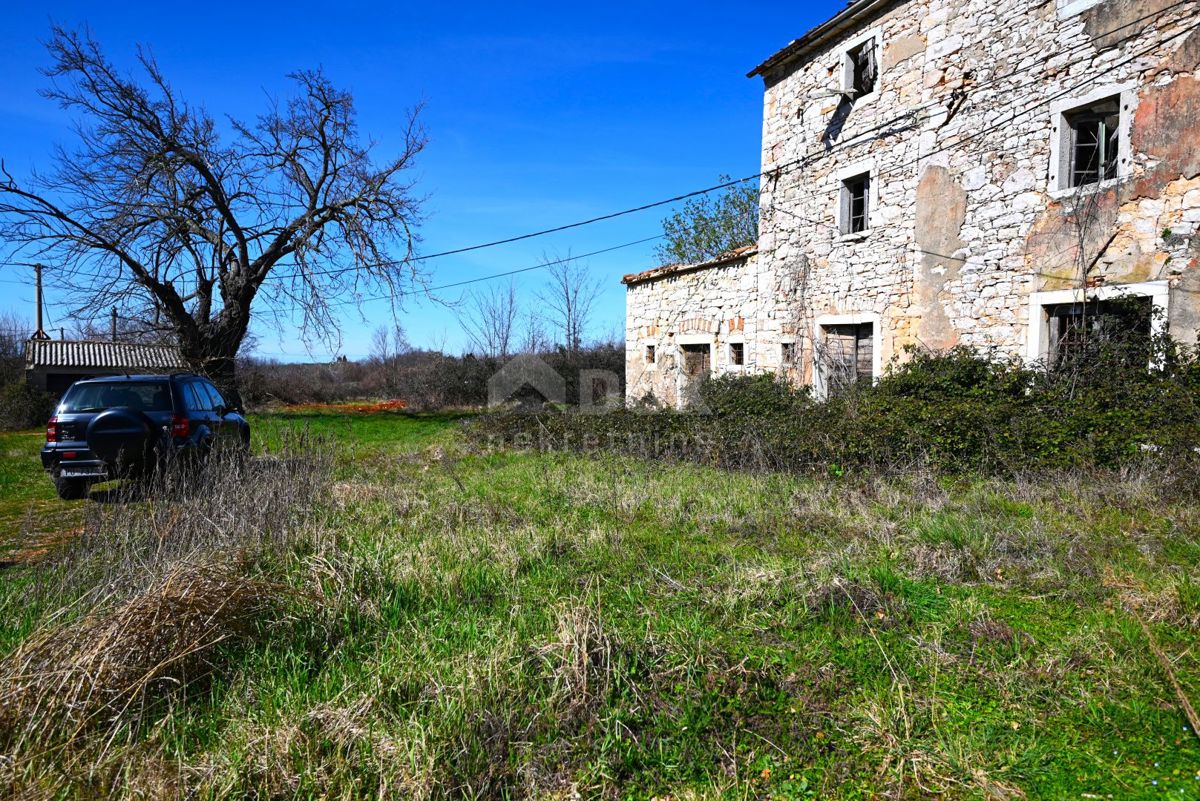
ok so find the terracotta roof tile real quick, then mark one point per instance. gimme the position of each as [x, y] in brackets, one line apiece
[739, 254]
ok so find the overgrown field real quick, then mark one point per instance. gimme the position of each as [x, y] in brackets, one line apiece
[376, 608]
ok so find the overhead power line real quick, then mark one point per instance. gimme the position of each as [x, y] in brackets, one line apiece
[801, 161]
[493, 276]
[1025, 109]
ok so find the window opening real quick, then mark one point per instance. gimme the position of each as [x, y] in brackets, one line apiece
[737, 354]
[1095, 142]
[856, 204]
[862, 68]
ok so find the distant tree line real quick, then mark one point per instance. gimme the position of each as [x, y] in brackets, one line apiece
[424, 379]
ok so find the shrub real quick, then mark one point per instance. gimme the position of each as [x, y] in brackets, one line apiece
[23, 406]
[956, 411]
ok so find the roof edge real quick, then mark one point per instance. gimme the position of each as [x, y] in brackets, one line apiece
[740, 254]
[821, 34]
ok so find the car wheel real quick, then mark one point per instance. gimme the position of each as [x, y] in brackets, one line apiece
[71, 489]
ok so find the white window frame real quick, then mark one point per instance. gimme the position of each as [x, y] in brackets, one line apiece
[847, 66]
[728, 354]
[1037, 340]
[843, 208]
[1060, 139]
[1069, 8]
[855, 318]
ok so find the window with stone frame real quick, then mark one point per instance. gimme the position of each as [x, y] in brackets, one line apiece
[737, 354]
[1076, 329]
[650, 354]
[856, 204]
[848, 354]
[787, 353]
[1093, 142]
[861, 69]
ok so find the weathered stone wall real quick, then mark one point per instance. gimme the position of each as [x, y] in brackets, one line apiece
[713, 305]
[966, 220]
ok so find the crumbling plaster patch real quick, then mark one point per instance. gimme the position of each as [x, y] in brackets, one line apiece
[941, 213]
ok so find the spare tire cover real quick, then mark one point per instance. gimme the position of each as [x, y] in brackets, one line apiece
[120, 435]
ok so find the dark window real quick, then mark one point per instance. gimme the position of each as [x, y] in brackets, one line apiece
[863, 72]
[1095, 142]
[649, 354]
[1077, 329]
[196, 398]
[788, 352]
[737, 353]
[849, 354]
[149, 396]
[599, 391]
[214, 395]
[697, 360]
[856, 204]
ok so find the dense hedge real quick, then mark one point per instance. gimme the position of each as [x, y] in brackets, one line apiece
[1110, 404]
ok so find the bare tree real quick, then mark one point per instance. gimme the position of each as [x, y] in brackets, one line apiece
[387, 346]
[154, 212]
[489, 319]
[533, 339]
[568, 299]
[14, 331]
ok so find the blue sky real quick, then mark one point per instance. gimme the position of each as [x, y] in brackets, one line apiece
[537, 114]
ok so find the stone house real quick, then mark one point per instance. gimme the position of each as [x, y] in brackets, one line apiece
[989, 173]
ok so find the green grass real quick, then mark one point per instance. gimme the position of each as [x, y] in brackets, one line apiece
[537, 625]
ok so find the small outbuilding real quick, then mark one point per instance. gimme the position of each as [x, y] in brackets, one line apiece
[52, 365]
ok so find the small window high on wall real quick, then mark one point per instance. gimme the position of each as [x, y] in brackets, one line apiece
[860, 66]
[737, 354]
[787, 353]
[1095, 142]
[1090, 142]
[856, 204]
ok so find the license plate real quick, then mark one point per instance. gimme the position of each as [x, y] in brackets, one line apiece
[81, 473]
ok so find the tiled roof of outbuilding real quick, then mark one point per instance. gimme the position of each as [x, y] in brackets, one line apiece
[58, 353]
[673, 269]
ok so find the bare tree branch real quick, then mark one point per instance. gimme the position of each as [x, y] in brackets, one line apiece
[155, 213]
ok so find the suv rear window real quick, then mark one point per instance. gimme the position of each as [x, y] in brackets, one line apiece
[196, 398]
[147, 396]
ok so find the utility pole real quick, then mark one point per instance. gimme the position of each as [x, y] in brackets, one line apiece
[39, 333]
[114, 323]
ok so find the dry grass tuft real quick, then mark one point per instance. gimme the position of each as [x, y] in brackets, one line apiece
[114, 662]
[579, 661]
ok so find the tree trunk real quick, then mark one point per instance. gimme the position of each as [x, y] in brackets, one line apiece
[215, 357]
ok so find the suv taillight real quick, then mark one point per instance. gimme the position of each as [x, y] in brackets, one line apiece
[180, 426]
[52, 430]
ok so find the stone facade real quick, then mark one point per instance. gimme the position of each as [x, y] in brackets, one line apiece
[973, 231]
